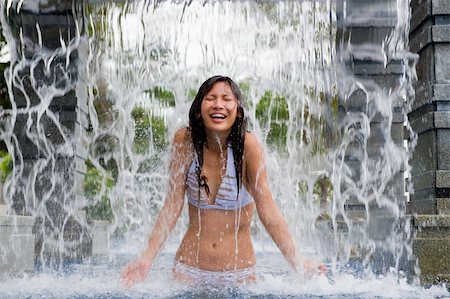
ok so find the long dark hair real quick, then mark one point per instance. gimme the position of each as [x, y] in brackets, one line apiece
[236, 137]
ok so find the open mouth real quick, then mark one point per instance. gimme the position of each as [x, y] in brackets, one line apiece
[217, 116]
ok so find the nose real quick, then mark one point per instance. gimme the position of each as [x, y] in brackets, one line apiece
[218, 103]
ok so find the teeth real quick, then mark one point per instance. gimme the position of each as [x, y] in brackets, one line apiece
[218, 116]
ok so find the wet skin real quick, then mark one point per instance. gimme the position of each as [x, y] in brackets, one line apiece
[215, 249]
[217, 240]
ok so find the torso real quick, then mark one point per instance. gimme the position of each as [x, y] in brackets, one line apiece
[217, 240]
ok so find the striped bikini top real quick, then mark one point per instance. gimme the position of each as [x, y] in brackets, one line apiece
[227, 197]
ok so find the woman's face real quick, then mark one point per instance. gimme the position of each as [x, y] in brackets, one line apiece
[219, 109]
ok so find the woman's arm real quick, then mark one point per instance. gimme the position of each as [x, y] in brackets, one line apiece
[181, 156]
[268, 211]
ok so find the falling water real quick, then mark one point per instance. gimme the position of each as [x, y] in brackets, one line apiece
[138, 66]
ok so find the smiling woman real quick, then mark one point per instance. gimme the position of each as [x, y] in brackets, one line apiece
[219, 166]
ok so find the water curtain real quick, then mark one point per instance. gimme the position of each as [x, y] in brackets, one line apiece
[93, 109]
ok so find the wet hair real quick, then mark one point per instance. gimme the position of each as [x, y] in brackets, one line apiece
[198, 134]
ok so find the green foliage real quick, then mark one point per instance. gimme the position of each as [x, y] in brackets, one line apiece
[245, 89]
[323, 187]
[277, 105]
[6, 165]
[163, 95]
[191, 94]
[96, 188]
[148, 128]
[277, 109]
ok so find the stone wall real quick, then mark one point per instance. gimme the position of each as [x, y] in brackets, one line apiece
[430, 119]
[361, 43]
[49, 99]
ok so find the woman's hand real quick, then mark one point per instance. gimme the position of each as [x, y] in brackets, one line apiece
[135, 271]
[314, 267]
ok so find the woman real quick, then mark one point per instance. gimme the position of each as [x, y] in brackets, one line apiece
[219, 165]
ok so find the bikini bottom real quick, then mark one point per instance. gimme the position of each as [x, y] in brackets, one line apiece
[196, 276]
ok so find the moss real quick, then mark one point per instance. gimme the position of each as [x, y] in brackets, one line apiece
[163, 95]
[279, 116]
[96, 187]
[6, 165]
[148, 128]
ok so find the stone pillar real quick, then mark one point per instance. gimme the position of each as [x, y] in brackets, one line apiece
[51, 116]
[430, 119]
[363, 32]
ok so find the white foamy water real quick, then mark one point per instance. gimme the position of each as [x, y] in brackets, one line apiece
[273, 281]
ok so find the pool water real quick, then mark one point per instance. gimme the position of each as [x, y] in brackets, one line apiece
[275, 280]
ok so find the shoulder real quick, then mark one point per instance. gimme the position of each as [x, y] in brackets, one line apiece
[182, 143]
[181, 135]
[251, 144]
[253, 150]
[182, 138]
[255, 171]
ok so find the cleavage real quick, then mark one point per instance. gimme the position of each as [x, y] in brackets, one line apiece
[214, 169]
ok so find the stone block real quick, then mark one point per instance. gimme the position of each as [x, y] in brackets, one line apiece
[396, 187]
[431, 179]
[440, 7]
[443, 145]
[365, 68]
[47, 6]
[441, 92]
[66, 102]
[56, 134]
[16, 224]
[421, 207]
[442, 62]
[424, 155]
[378, 138]
[3, 209]
[432, 152]
[52, 28]
[443, 206]
[435, 206]
[430, 93]
[16, 243]
[424, 180]
[428, 33]
[432, 246]
[431, 221]
[423, 123]
[382, 13]
[441, 33]
[421, 36]
[372, 36]
[442, 178]
[425, 66]
[432, 120]
[420, 12]
[433, 257]
[100, 238]
[17, 253]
